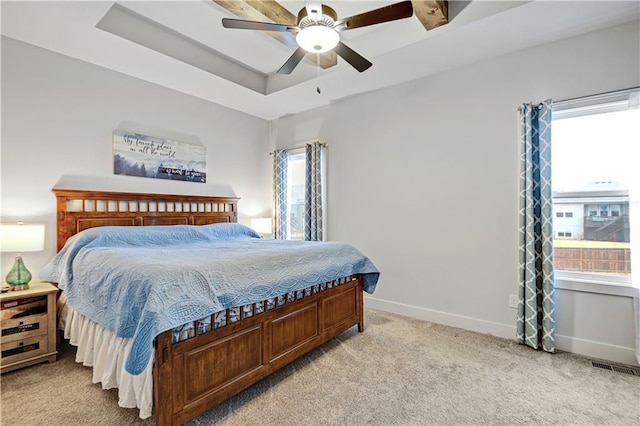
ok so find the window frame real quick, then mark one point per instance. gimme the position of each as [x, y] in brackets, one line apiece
[296, 154]
[594, 282]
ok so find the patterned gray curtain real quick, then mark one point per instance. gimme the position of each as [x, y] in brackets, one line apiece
[536, 307]
[313, 200]
[280, 213]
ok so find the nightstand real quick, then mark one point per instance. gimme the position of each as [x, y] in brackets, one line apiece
[28, 320]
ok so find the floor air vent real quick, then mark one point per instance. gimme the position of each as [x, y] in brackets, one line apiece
[618, 368]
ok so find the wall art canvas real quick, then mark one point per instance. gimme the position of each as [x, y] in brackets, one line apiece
[148, 156]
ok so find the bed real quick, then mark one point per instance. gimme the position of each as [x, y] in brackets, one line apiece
[201, 362]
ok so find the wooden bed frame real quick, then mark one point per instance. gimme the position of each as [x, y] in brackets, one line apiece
[192, 376]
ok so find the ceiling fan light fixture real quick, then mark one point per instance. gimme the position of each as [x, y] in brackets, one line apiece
[318, 31]
[317, 38]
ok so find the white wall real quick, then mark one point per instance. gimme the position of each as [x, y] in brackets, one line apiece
[58, 115]
[423, 178]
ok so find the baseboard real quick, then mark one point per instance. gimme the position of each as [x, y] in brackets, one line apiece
[575, 345]
[444, 318]
[597, 350]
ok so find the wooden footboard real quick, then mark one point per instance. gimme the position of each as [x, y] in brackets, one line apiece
[195, 375]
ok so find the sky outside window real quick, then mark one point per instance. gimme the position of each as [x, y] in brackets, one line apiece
[598, 147]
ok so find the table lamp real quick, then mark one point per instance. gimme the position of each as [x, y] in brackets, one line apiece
[262, 225]
[20, 238]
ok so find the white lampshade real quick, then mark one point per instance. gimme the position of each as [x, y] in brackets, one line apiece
[262, 225]
[317, 38]
[20, 238]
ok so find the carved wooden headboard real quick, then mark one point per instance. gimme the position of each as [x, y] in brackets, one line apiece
[79, 210]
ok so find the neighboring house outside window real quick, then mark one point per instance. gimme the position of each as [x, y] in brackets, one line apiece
[577, 212]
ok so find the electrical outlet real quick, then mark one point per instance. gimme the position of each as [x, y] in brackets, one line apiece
[513, 301]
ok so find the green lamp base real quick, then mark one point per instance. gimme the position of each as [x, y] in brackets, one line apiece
[19, 276]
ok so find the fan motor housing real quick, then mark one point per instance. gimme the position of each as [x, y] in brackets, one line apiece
[327, 18]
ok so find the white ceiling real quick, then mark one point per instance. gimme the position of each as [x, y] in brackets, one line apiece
[236, 68]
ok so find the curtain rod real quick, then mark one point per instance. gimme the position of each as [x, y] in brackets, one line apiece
[594, 96]
[324, 144]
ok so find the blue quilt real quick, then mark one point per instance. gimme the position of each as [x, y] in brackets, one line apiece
[141, 281]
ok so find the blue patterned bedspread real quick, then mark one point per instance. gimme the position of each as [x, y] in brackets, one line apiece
[141, 281]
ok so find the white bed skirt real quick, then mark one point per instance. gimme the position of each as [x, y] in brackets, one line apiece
[101, 349]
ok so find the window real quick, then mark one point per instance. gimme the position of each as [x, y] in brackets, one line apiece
[564, 214]
[295, 196]
[594, 143]
[604, 210]
[299, 192]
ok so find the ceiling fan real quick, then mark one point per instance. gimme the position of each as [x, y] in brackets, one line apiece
[319, 29]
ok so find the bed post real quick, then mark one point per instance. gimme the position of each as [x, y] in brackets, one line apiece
[162, 376]
[360, 303]
[61, 236]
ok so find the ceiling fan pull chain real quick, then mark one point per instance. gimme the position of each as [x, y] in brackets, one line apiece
[318, 73]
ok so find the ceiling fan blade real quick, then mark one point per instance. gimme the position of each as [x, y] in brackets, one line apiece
[293, 61]
[377, 16]
[254, 25]
[351, 56]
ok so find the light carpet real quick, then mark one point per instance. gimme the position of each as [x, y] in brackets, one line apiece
[400, 371]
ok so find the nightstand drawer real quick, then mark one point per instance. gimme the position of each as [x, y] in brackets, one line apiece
[23, 328]
[23, 349]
